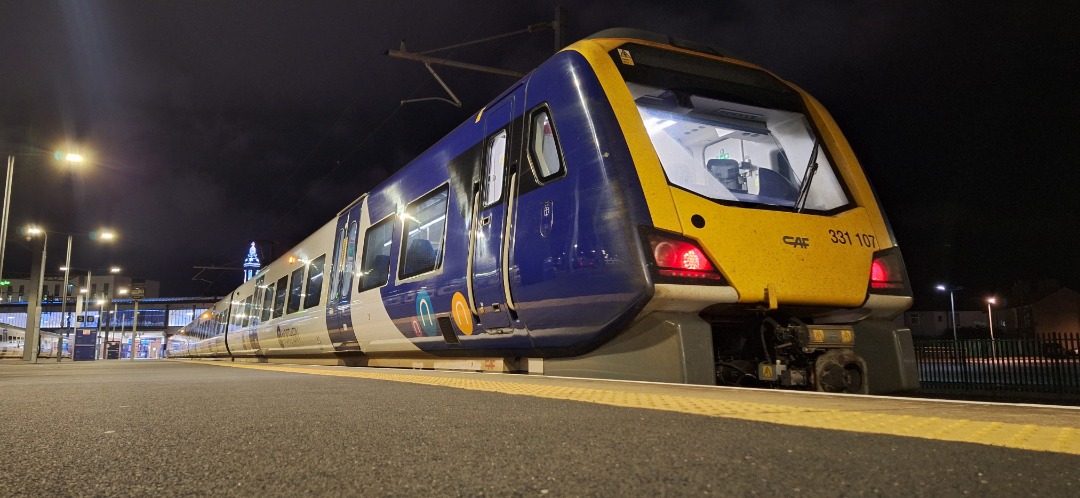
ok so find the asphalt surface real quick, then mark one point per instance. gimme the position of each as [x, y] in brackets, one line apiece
[174, 428]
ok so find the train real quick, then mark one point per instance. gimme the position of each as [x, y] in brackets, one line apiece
[12, 340]
[636, 207]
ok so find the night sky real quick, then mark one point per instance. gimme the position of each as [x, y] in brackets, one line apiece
[213, 123]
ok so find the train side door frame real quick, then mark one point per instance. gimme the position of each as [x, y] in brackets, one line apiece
[339, 278]
[493, 199]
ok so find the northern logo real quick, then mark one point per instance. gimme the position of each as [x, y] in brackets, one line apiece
[797, 242]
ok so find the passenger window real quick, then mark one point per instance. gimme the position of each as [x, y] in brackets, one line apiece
[546, 155]
[296, 291]
[268, 302]
[425, 224]
[279, 297]
[496, 164]
[375, 264]
[259, 300]
[314, 283]
[236, 313]
[247, 312]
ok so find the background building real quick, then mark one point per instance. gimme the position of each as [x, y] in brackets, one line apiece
[104, 286]
[1056, 312]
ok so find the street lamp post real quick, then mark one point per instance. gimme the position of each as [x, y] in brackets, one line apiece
[4, 218]
[101, 315]
[63, 307]
[137, 294]
[112, 323]
[952, 307]
[32, 339]
[952, 312]
[990, 318]
[70, 158]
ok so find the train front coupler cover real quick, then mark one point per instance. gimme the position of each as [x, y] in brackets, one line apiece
[819, 356]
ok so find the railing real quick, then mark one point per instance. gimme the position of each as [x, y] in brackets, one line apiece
[1046, 364]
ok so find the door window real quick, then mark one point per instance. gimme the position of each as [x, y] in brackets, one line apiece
[496, 164]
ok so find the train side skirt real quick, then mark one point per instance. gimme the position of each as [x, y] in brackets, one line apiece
[662, 347]
[890, 356]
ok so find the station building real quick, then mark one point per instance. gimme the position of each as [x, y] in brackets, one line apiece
[101, 306]
[108, 313]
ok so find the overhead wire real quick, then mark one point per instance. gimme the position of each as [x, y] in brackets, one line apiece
[313, 187]
[343, 159]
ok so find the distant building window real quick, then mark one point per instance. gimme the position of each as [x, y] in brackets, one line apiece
[913, 319]
[940, 318]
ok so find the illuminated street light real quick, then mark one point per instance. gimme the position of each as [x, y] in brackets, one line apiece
[69, 157]
[952, 306]
[990, 318]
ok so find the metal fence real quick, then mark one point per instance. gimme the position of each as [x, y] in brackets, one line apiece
[1046, 364]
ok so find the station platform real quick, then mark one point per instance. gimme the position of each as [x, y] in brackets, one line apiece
[184, 427]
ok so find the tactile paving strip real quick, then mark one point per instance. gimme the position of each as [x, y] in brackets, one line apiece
[1008, 435]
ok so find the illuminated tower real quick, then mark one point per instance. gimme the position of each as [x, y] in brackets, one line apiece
[251, 263]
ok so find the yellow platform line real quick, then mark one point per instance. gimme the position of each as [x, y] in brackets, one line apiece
[1001, 434]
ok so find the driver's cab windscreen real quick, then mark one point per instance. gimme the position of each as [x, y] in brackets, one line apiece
[737, 152]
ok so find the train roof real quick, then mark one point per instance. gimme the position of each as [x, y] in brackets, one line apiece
[638, 34]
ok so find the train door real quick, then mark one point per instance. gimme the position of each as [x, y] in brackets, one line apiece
[488, 277]
[339, 322]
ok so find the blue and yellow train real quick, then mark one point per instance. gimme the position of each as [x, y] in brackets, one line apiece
[636, 207]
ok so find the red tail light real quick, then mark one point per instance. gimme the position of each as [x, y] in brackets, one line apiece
[681, 259]
[887, 273]
[879, 274]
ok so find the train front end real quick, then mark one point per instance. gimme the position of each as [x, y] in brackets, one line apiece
[764, 227]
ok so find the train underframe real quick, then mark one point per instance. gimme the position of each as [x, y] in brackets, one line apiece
[785, 351]
[775, 349]
[754, 349]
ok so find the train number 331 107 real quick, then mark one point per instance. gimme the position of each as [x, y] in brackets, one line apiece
[860, 239]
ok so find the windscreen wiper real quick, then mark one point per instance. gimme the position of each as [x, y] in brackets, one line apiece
[808, 176]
